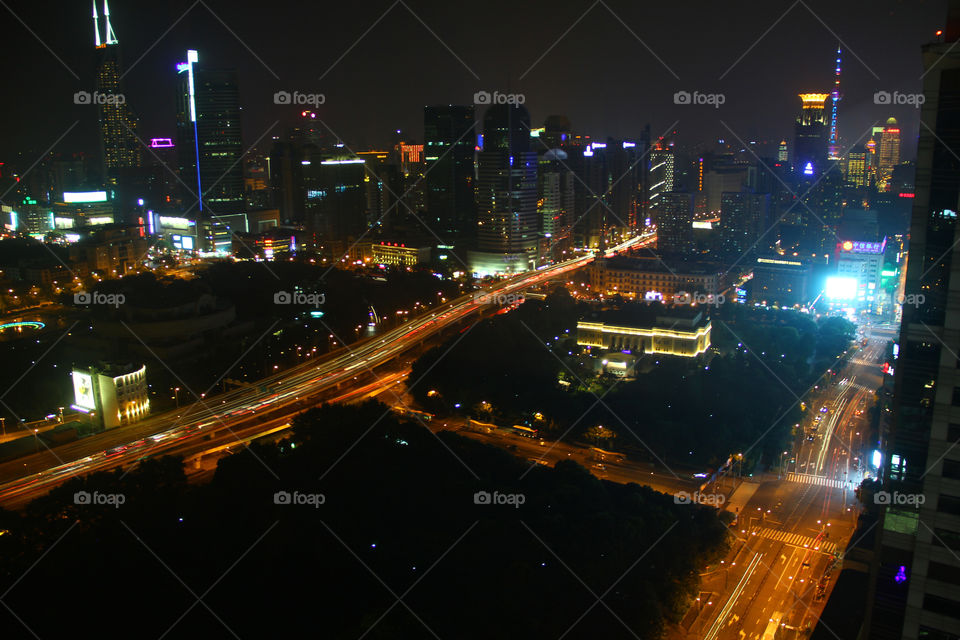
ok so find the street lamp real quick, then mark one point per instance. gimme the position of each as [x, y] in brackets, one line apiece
[176, 396]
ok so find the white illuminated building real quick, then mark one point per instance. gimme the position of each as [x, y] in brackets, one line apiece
[859, 268]
[115, 394]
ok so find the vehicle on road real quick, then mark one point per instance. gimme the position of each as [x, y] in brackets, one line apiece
[772, 626]
[526, 432]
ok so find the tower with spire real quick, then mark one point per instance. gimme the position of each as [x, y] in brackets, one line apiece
[834, 149]
[120, 148]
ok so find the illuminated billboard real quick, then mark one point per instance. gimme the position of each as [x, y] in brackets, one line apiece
[176, 222]
[863, 247]
[83, 390]
[841, 288]
[84, 196]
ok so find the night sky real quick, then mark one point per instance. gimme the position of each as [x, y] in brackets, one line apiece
[380, 62]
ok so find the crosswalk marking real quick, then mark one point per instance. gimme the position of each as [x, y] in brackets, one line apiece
[867, 363]
[797, 540]
[807, 478]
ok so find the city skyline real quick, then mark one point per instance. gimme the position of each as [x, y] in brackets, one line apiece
[572, 320]
[559, 83]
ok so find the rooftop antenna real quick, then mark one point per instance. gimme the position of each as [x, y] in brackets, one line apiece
[111, 37]
[96, 27]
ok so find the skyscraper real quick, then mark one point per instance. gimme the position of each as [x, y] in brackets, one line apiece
[555, 189]
[810, 142]
[119, 146]
[209, 142]
[858, 165]
[914, 590]
[449, 133]
[889, 154]
[506, 193]
[674, 218]
[661, 173]
[742, 215]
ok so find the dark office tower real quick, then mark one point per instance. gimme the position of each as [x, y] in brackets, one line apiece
[624, 177]
[449, 145]
[914, 591]
[286, 180]
[506, 194]
[811, 136]
[674, 218]
[119, 146]
[557, 133]
[723, 174]
[337, 200]
[742, 215]
[555, 202]
[209, 142]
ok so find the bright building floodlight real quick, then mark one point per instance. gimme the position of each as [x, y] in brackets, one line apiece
[841, 288]
[84, 196]
[83, 390]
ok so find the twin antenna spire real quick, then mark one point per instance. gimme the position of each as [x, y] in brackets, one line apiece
[111, 37]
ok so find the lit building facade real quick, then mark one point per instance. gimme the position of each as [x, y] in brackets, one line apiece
[858, 167]
[651, 279]
[666, 336]
[507, 225]
[115, 394]
[399, 255]
[862, 262]
[888, 156]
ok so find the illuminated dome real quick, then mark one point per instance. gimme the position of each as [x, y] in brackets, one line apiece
[891, 122]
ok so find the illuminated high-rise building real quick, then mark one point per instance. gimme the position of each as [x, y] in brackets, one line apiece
[209, 142]
[783, 154]
[858, 167]
[889, 154]
[811, 134]
[119, 146]
[506, 194]
[913, 591]
[661, 172]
